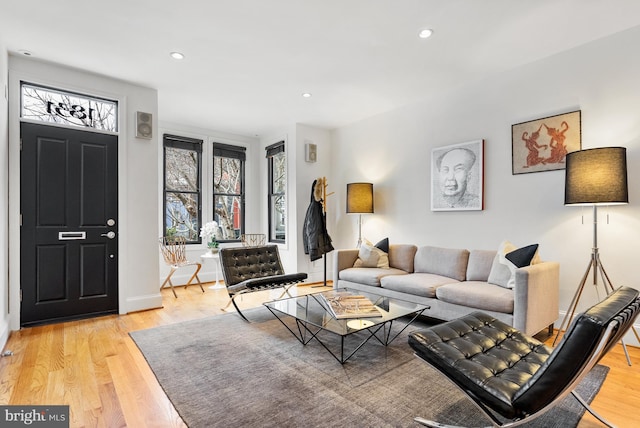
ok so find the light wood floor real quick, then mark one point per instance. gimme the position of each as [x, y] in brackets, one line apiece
[95, 367]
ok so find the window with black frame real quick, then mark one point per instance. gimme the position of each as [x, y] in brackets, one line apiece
[277, 170]
[228, 190]
[182, 187]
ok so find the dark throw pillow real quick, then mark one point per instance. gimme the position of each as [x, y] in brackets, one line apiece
[522, 256]
[383, 244]
[509, 258]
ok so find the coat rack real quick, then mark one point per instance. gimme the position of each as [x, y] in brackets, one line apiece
[324, 194]
[324, 215]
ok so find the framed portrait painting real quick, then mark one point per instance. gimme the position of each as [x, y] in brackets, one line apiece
[542, 144]
[457, 175]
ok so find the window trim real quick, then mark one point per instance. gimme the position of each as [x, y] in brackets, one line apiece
[271, 151]
[233, 152]
[184, 143]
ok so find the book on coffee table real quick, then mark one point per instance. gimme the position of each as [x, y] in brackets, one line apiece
[348, 305]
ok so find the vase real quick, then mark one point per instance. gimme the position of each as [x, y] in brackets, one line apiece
[213, 250]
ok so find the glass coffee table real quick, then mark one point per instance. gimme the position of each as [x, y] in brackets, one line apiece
[314, 319]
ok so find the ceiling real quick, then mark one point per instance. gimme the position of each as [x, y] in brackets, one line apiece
[248, 62]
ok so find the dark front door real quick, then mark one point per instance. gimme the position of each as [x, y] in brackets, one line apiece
[69, 233]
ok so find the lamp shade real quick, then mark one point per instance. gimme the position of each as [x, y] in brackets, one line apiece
[596, 177]
[359, 198]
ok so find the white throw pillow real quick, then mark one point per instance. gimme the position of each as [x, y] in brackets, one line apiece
[371, 256]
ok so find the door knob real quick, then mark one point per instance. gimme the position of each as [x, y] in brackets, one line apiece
[109, 235]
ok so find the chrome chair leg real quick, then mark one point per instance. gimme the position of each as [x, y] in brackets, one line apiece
[590, 409]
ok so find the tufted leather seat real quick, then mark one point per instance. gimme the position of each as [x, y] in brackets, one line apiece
[247, 269]
[507, 372]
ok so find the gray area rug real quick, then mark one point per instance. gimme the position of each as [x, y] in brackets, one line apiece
[224, 372]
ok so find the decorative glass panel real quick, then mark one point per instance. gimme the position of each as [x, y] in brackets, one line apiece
[55, 106]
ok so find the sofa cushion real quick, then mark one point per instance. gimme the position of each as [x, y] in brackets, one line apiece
[448, 262]
[370, 256]
[368, 276]
[402, 256]
[477, 294]
[418, 284]
[480, 263]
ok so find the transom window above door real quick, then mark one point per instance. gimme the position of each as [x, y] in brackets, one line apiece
[50, 105]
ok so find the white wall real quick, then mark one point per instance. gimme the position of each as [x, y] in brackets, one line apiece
[306, 173]
[393, 151]
[137, 180]
[4, 199]
[300, 177]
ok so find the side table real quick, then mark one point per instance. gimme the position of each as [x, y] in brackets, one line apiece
[216, 260]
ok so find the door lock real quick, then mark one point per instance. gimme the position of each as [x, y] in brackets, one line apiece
[109, 235]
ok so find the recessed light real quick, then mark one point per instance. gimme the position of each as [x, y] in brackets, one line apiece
[177, 55]
[425, 33]
[306, 95]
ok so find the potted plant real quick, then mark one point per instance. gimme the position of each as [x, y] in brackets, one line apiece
[209, 232]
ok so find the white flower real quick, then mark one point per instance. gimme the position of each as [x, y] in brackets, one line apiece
[209, 231]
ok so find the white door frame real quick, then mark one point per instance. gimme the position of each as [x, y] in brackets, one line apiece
[15, 78]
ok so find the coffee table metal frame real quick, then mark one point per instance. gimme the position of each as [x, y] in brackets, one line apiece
[313, 318]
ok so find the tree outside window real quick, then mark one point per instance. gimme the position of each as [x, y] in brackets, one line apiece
[182, 194]
[277, 191]
[228, 190]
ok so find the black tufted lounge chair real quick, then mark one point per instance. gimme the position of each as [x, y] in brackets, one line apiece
[506, 373]
[248, 269]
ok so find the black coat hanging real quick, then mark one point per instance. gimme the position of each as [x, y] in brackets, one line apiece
[316, 239]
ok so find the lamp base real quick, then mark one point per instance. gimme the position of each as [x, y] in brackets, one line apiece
[359, 244]
[597, 267]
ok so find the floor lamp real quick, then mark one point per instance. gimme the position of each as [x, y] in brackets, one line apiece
[360, 201]
[595, 177]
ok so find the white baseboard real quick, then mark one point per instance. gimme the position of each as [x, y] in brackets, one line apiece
[142, 303]
[4, 335]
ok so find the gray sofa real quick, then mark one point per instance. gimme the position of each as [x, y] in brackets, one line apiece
[455, 282]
